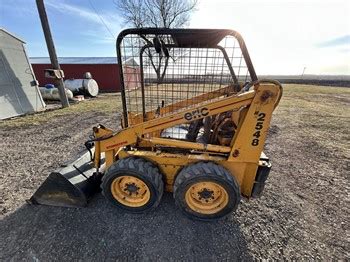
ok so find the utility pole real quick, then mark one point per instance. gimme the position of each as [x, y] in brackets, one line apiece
[302, 74]
[52, 52]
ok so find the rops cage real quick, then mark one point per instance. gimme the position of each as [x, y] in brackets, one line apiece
[166, 70]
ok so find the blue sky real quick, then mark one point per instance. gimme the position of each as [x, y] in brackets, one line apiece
[283, 36]
[76, 29]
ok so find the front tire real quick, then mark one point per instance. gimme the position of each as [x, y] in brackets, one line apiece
[206, 191]
[133, 184]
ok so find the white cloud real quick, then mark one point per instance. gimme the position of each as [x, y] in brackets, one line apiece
[282, 36]
[110, 20]
[92, 35]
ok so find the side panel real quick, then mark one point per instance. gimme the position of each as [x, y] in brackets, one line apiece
[171, 164]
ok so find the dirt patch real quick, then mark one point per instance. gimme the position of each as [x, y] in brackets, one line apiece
[303, 213]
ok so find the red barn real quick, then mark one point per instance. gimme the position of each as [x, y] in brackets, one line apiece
[105, 70]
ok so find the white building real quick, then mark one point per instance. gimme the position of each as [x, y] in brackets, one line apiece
[19, 93]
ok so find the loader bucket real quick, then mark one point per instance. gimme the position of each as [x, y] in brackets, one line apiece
[70, 186]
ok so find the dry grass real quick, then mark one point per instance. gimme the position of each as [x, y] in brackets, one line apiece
[167, 93]
[327, 108]
[330, 105]
[105, 103]
[323, 114]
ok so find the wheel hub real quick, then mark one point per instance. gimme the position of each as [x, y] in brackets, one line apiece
[206, 194]
[131, 188]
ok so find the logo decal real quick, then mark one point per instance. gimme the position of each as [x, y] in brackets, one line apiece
[198, 113]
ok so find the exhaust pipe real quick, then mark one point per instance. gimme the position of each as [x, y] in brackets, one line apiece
[70, 186]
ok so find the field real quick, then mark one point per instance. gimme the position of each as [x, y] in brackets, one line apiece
[303, 214]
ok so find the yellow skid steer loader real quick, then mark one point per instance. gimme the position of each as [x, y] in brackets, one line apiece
[195, 119]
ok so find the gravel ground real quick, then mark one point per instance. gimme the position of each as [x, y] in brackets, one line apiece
[303, 213]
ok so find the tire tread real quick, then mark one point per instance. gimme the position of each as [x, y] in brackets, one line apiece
[140, 166]
[211, 170]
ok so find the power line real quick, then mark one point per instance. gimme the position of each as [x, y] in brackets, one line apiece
[103, 22]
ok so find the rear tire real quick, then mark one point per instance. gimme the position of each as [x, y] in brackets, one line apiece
[206, 191]
[133, 184]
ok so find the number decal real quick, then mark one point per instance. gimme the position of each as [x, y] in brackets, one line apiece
[261, 117]
[257, 134]
[258, 127]
[255, 142]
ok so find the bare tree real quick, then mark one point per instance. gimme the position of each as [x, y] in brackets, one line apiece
[160, 14]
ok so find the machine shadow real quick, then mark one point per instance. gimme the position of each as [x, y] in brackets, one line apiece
[101, 231]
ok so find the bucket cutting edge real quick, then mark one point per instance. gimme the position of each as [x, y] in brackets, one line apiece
[70, 186]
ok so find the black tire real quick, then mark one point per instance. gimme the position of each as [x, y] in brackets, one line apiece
[138, 168]
[203, 172]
